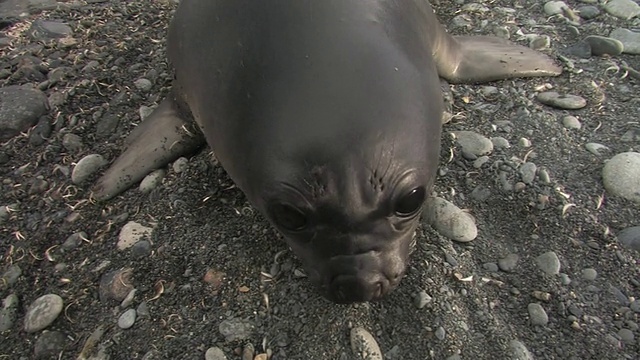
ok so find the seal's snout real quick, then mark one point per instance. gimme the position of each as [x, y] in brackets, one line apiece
[346, 289]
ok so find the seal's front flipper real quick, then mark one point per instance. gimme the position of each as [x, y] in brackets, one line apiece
[477, 59]
[159, 139]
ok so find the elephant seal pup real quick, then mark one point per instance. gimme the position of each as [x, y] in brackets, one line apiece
[326, 114]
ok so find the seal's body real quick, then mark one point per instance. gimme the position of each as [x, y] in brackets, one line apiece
[326, 113]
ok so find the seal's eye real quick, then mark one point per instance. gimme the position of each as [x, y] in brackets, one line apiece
[409, 204]
[289, 217]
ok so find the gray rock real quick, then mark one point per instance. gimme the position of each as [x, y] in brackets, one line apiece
[8, 314]
[49, 344]
[581, 49]
[20, 109]
[519, 351]
[141, 249]
[152, 181]
[528, 172]
[74, 240]
[571, 122]
[422, 299]
[10, 276]
[630, 238]
[40, 132]
[588, 12]
[623, 9]
[491, 267]
[45, 30]
[629, 39]
[562, 101]
[473, 143]
[450, 221]
[214, 353]
[143, 84]
[626, 336]
[621, 176]
[86, 167]
[72, 142]
[539, 42]
[601, 45]
[480, 193]
[364, 346]
[631, 135]
[180, 165]
[589, 274]
[131, 233]
[500, 143]
[537, 315]
[596, 149]
[509, 262]
[42, 312]
[554, 7]
[236, 329]
[127, 319]
[549, 263]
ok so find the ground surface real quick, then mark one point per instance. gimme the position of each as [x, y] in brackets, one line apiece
[204, 226]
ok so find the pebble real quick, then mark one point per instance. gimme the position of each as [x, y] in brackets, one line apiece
[131, 233]
[588, 12]
[72, 142]
[450, 221]
[562, 101]
[509, 262]
[481, 193]
[571, 122]
[43, 29]
[524, 142]
[143, 84]
[42, 312]
[549, 263]
[214, 353]
[8, 314]
[602, 45]
[143, 310]
[116, 285]
[554, 7]
[581, 49]
[180, 165]
[630, 40]
[480, 161]
[422, 299]
[626, 336]
[519, 351]
[631, 135]
[152, 181]
[492, 267]
[49, 345]
[20, 108]
[364, 346]
[86, 167]
[128, 300]
[440, 333]
[141, 249]
[236, 329]
[565, 279]
[145, 111]
[127, 319]
[473, 143]
[537, 315]
[623, 9]
[540, 42]
[500, 143]
[544, 176]
[630, 238]
[621, 176]
[10, 276]
[596, 149]
[74, 240]
[528, 172]
[589, 274]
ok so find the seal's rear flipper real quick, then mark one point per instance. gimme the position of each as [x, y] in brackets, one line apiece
[159, 139]
[477, 59]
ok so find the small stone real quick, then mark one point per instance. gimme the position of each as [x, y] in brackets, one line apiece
[145, 111]
[540, 42]
[131, 233]
[508, 263]
[631, 135]
[473, 143]
[562, 101]
[43, 29]
[549, 263]
[544, 176]
[20, 109]
[630, 238]
[519, 351]
[422, 299]
[528, 172]
[537, 315]
[630, 40]
[440, 333]
[74, 240]
[141, 249]
[589, 274]
[480, 161]
[49, 344]
[481, 193]
[127, 319]
[42, 312]
[626, 336]
[72, 142]
[596, 149]
[180, 165]
[86, 167]
[214, 353]
[116, 285]
[152, 181]
[143, 84]
[623, 9]
[588, 12]
[492, 267]
[450, 221]
[571, 122]
[143, 310]
[10, 276]
[555, 7]
[364, 346]
[524, 142]
[8, 314]
[601, 45]
[500, 143]
[621, 176]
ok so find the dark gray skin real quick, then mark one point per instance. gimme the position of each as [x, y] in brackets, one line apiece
[326, 114]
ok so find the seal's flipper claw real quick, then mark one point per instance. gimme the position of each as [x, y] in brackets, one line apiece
[159, 139]
[477, 59]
